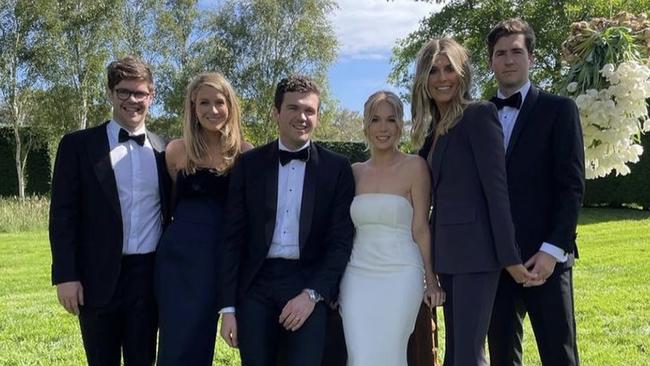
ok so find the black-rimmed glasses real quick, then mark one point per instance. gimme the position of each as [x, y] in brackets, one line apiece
[125, 94]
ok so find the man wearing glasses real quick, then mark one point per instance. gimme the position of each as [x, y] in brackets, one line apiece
[106, 217]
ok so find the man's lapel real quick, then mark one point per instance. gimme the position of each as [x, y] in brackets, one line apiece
[158, 145]
[308, 194]
[524, 115]
[271, 187]
[99, 153]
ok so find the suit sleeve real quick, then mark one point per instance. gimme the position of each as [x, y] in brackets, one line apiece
[65, 212]
[340, 234]
[568, 176]
[486, 139]
[234, 237]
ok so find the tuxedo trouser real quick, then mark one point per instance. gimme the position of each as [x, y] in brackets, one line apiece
[127, 324]
[551, 311]
[467, 308]
[263, 341]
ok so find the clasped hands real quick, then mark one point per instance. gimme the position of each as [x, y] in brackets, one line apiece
[434, 295]
[293, 316]
[535, 271]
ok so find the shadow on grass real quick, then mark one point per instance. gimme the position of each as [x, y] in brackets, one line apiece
[596, 215]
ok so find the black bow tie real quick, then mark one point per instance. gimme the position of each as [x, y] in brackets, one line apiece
[513, 101]
[287, 156]
[124, 136]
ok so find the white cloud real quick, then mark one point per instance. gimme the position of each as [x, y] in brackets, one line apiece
[368, 29]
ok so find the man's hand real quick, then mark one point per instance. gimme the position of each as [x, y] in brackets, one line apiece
[520, 274]
[229, 329]
[542, 264]
[71, 295]
[296, 311]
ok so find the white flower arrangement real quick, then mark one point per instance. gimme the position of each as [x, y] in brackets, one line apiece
[609, 79]
[613, 118]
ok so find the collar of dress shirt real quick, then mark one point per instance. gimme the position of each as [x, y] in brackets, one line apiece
[114, 129]
[282, 147]
[523, 90]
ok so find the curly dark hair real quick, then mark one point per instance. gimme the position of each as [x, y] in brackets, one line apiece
[294, 83]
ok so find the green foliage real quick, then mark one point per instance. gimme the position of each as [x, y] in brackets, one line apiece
[629, 189]
[255, 43]
[37, 168]
[339, 124]
[602, 41]
[355, 151]
[469, 21]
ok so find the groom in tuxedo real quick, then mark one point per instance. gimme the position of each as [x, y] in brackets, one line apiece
[545, 167]
[288, 237]
[106, 217]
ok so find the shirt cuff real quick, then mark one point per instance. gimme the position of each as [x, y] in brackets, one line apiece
[227, 310]
[558, 253]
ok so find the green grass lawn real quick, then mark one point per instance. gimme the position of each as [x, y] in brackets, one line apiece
[612, 289]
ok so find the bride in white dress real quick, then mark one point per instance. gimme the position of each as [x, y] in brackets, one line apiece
[389, 273]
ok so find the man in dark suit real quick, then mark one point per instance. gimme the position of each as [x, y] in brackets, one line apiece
[288, 237]
[106, 219]
[545, 167]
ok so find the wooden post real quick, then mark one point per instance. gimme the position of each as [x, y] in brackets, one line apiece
[423, 344]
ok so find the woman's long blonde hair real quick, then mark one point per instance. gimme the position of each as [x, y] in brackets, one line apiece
[196, 143]
[426, 116]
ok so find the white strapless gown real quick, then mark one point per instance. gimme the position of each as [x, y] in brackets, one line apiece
[383, 284]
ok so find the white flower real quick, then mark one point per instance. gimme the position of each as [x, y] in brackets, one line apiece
[613, 118]
[572, 87]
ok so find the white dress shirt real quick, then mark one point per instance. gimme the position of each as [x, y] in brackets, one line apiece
[508, 118]
[285, 241]
[291, 177]
[136, 177]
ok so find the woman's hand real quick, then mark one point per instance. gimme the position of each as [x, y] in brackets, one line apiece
[434, 295]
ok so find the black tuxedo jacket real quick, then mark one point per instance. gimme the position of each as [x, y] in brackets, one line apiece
[545, 165]
[85, 218]
[326, 230]
[472, 229]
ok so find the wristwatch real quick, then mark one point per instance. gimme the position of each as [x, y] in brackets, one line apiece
[313, 295]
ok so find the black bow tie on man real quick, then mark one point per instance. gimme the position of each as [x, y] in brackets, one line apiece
[124, 136]
[287, 156]
[513, 101]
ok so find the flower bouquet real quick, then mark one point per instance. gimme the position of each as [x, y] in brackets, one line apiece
[609, 78]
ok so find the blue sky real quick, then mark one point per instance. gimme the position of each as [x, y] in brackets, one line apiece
[367, 30]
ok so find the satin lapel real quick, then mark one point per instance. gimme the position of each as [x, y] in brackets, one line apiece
[522, 118]
[158, 146]
[99, 153]
[438, 153]
[271, 191]
[308, 195]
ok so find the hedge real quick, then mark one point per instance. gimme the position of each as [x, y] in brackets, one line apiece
[38, 168]
[609, 191]
[614, 191]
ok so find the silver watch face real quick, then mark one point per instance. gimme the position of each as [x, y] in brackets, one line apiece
[313, 296]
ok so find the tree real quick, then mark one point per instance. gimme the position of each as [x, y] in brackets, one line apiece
[20, 49]
[340, 124]
[81, 34]
[255, 43]
[469, 21]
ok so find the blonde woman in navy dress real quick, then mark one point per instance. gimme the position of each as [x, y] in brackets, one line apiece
[186, 263]
[389, 273]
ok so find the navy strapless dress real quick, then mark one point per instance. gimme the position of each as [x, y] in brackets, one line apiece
[186, 270]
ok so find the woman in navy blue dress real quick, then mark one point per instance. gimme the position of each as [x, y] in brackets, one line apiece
[186, 273]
